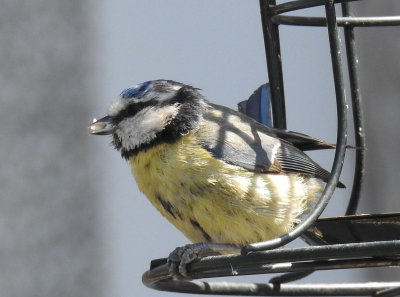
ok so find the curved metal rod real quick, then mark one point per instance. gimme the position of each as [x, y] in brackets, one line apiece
[358, 115]
[340, 147]
[358, 119]
[341, 21]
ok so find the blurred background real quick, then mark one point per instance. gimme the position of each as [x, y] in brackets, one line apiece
[72, 221]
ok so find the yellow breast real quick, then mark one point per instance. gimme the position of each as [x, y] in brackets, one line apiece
[209, 200]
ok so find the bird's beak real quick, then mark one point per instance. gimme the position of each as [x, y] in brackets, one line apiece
[104, 126]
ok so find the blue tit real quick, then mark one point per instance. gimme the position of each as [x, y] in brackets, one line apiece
[217, 175]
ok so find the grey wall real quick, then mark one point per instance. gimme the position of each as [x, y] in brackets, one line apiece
[49, 216]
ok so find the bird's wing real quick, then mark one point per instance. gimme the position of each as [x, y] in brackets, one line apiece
[238, 140]
[302, 141]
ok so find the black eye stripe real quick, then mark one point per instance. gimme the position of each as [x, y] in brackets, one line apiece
[132, 109]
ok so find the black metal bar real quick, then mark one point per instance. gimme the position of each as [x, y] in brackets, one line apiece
[365, 249]
[274, 63]
[358, 115]
[256, 289]
[341, 21]
[341, 104]
[290, 277]
[264, 262]
[299, 268]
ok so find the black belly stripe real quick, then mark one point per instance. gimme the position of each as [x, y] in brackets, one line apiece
[197, 226]
[168, 207]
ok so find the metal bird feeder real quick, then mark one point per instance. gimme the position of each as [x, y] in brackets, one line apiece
[351, 241]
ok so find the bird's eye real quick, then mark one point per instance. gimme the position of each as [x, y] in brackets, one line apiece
[137, 91]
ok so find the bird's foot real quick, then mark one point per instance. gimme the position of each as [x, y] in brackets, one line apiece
[182, 256]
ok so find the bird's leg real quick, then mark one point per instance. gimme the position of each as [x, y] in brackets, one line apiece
[181, 256]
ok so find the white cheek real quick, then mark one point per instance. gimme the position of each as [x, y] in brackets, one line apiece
[144, 126]
[116, 107]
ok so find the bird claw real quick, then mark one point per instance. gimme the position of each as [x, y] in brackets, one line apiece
[180, 258]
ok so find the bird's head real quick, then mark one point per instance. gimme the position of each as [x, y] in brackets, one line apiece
[149, 113]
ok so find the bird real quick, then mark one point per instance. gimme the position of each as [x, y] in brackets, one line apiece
[221, 178]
